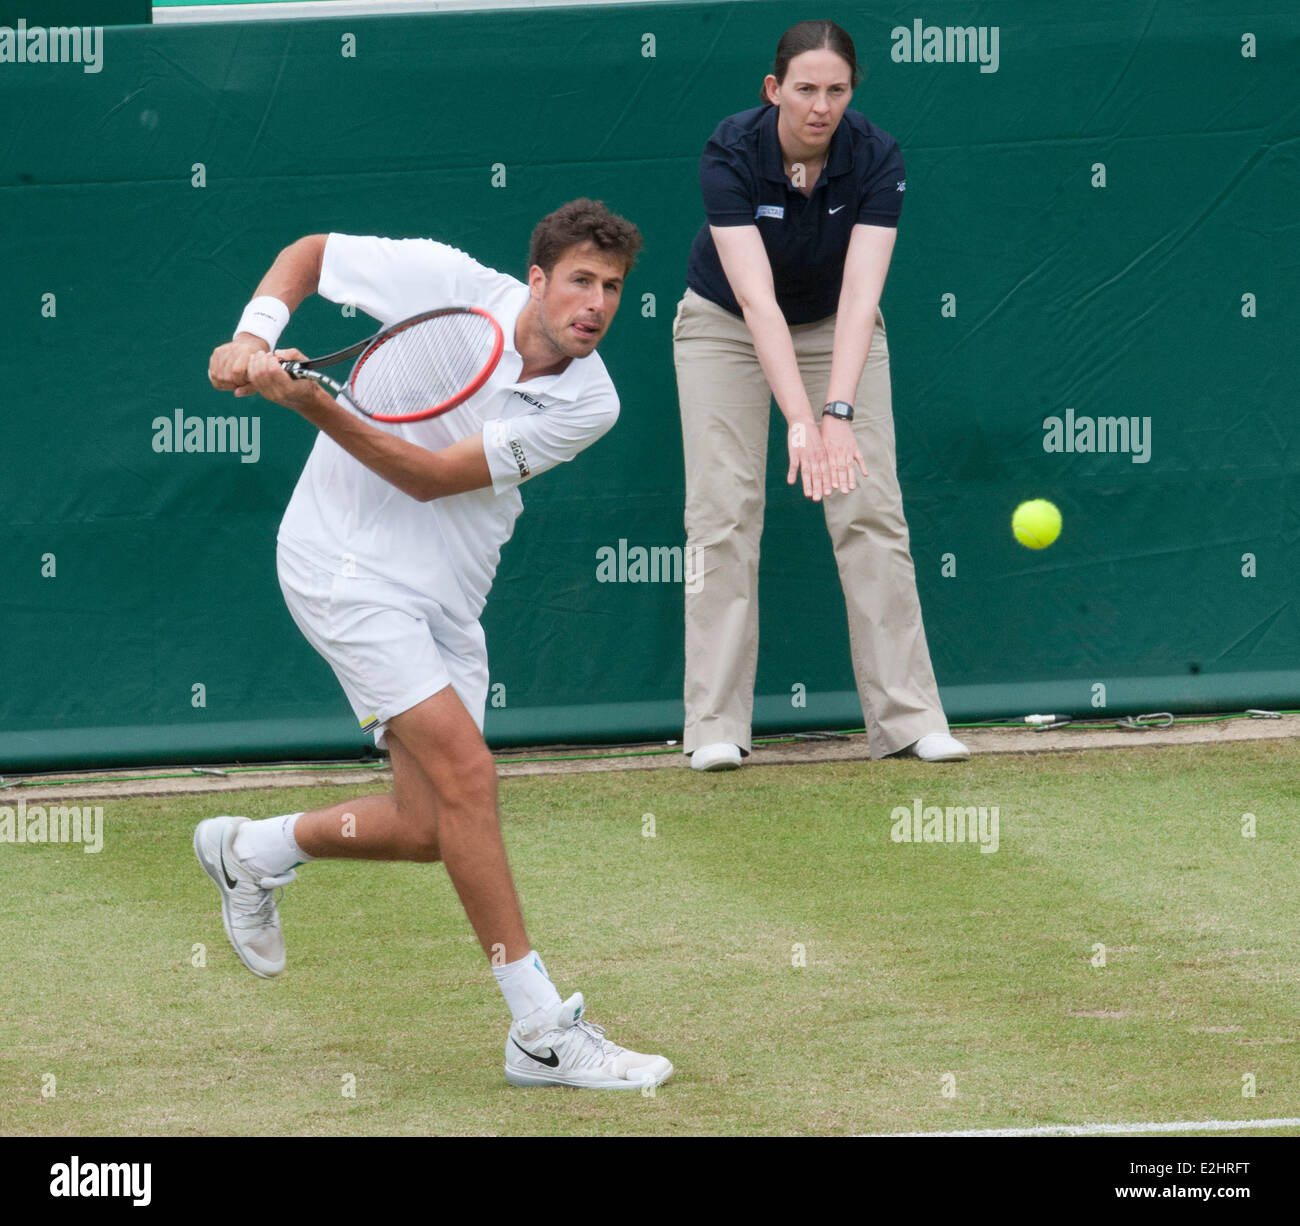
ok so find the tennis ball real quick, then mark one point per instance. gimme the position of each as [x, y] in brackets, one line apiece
[1036, 524]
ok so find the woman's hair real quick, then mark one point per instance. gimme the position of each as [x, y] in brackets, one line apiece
[578, 222]
[813, 36]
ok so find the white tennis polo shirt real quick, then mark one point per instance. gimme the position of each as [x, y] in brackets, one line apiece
[350, 520]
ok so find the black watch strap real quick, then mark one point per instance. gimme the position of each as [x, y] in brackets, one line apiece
[839, 408]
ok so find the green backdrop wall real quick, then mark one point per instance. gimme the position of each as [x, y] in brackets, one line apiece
[79, 12]
[1099, 224]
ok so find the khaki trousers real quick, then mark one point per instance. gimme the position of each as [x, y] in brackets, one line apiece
[726, 414]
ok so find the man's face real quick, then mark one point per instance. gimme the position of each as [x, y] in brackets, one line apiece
[578, 301]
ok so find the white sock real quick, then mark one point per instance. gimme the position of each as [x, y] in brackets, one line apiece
[268, 847]
[527, 987]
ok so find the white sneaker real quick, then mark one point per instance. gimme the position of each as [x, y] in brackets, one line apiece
[720, 757]
[248, 902]
[940, 747]
[566, 1051]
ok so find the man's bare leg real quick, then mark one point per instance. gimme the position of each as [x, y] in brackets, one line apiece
[397, 825]
[443, 807]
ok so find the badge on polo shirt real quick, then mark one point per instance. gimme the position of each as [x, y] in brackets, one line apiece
[770, 210]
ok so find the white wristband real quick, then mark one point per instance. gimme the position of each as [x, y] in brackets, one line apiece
[265, 317]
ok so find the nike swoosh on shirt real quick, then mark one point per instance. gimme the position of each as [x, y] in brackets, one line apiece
[836, 209]
[551, 1061]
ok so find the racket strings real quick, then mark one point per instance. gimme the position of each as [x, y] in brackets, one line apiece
[424, 365]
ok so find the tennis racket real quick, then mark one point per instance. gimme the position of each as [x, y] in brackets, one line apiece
[418, 368]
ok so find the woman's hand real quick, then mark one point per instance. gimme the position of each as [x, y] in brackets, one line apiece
[808, 455]
[842, 452]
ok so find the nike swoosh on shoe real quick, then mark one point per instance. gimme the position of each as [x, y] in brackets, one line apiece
[551, 1061]
[225, 872]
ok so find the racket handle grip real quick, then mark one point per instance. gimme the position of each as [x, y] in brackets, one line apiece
[303, 370]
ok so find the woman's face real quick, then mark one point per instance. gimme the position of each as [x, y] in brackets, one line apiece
[813, 97]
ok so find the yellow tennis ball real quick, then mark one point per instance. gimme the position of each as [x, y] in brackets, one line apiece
[1036, 524]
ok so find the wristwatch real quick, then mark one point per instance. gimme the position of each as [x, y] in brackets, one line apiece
[839, 408]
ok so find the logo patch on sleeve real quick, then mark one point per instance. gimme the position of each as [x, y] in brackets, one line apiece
[770, 210]
[520, 459]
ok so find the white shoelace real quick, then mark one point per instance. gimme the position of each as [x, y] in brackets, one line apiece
[261, 913]
[597, 1049]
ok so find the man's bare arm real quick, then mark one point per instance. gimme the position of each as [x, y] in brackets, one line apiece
[292, 277]
[296, 271]
[416, 471]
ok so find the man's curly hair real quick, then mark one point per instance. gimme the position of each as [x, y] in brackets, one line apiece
[578, 222]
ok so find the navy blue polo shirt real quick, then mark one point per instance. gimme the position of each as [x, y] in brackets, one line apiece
[743, 182]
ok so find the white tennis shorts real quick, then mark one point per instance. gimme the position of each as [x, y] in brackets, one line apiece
[389, 646]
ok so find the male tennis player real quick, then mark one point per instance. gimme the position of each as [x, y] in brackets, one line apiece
[386, 554]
